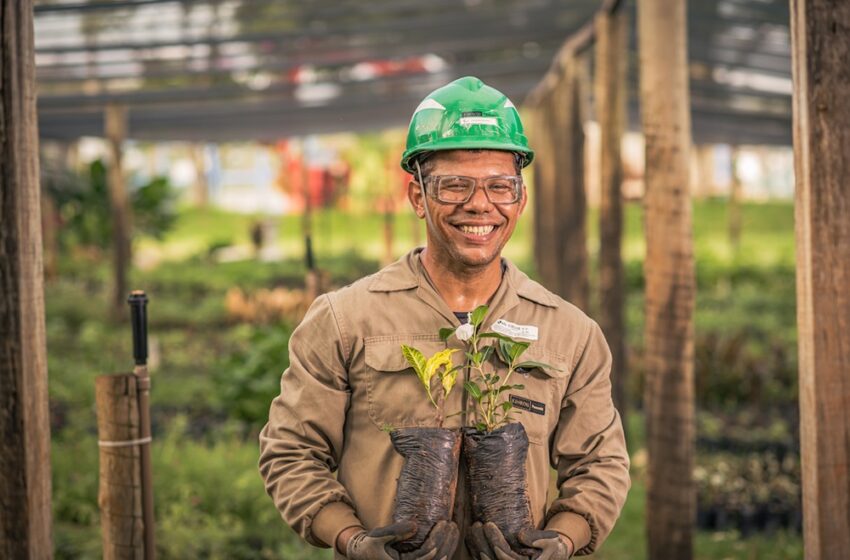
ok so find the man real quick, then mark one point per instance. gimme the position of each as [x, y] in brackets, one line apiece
[348, 379]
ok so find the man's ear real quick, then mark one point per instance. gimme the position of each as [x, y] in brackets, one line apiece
[416, 198]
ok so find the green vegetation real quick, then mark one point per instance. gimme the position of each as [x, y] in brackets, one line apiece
[215, 375]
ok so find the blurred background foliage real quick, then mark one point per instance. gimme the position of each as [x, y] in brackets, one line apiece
[215, 371]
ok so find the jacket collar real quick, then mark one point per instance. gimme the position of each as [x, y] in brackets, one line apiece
[404, 274]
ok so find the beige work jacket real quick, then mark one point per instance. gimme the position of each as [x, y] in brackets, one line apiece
[348, 379]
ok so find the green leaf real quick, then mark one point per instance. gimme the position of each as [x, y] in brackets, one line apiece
[478, 315]
[486, 352]
[532, 364]
[505, 350]
[415, 358]
[506, 406]
[517, 349]
[481, 427]
[446, 332]
[496, 335]
[519, 387]
[473, 390]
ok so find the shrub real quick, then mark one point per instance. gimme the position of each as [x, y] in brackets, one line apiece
[251, 378]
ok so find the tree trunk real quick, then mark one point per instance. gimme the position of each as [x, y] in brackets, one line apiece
[670, 285]
[820, 45]
[115, 119]
[25, 521]
[611, 98]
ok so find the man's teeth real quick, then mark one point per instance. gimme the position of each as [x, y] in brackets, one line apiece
[476, 230]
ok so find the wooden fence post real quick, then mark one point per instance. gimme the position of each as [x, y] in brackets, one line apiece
[670, 284]
[820, 46]
[120, 485]
[115, 128]
[25, 518]
[572, 281]
[611, 97]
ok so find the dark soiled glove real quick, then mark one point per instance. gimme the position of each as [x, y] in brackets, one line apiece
[552, 545]
[440, 544]
[374, 545]
[486, 542]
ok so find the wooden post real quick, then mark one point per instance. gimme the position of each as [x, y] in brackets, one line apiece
[735, 203]
[120, 485]
[705, 183]
[560, 202]
[670, 285]
[611, 97]
[200, 187]
[544, 192]
[570, 206]
[25, 519]
[820, 46]
[115, 128]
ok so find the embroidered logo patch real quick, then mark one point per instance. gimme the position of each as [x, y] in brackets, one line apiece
[528, 405]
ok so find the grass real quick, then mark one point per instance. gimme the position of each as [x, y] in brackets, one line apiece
[209, 497]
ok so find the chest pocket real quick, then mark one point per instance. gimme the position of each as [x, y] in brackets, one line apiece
[397, 398]
[538, 406]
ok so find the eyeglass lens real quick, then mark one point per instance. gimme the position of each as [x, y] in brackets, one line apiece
[499, 190]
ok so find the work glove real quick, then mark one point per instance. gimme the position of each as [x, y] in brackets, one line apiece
[486, 542]
[375, 545]
[440, 544]
[552, 545]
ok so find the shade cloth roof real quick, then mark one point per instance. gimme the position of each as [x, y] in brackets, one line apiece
[222, 70]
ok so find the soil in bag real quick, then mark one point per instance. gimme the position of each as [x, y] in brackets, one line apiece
[497, 480]
[428, 479]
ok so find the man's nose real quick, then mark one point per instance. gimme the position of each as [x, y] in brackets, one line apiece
[478, 200]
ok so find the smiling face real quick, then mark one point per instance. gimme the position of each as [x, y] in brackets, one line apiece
[471, 235]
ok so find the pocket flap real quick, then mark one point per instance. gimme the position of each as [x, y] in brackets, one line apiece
[550, 363]
[383, 353]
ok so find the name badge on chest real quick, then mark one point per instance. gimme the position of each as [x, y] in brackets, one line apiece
[528, 332]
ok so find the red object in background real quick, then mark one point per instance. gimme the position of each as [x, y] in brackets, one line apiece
[323, 185]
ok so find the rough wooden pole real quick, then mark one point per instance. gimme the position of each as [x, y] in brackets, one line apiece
[670, 286]
[611, 97]
[820, 46]
[115, 128]
[570, 206]
[200, 187]
[544, 186]
[735, 203]
[120, 486]
[25, 510]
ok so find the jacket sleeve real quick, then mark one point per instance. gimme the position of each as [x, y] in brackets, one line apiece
[301, 444]
[589, 451]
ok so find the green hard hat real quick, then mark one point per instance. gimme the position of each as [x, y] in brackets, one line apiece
[466, 114]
